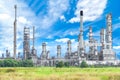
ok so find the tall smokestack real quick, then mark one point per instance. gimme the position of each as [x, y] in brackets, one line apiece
[33, 36]
[81, 41]
[15, 25]
[81, 22]
[81, 48]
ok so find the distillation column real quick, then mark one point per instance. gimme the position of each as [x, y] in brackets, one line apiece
[44, 56]
[69, 47]
[58, 51]
[2, 55]
[7, 54]
[108, 53]
[103, 42]
[48, 54]
[44, 51]
[102, 39]
[26, 43]
[19, 55]
[91, 48]
[109, 31]
[96, 56]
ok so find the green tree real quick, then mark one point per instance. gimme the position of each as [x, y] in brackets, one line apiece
[66, 64]
[1, 63]
[27, 63]
[15, 63]
[10, 63]
[60, 64]
[83, 64]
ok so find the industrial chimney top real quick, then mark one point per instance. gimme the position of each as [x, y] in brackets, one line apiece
[81, 13]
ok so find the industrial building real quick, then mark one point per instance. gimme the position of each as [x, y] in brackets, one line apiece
[105, 55]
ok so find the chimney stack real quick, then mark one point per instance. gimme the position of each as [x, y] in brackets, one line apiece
[15, 25]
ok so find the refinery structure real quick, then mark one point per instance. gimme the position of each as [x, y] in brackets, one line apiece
[104, 55]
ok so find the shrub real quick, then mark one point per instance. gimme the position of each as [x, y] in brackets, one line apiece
[83, 64]
[27, 63]
[60, 64]
[1, 64]
[8, 63]
[66, 64]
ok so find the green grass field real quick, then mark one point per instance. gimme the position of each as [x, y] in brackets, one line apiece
[47, 73]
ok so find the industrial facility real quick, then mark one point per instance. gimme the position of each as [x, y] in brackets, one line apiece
[104, 55]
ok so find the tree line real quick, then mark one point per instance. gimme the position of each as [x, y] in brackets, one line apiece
[66, 64]
[83, 64]
[60, 64]
[16, 63]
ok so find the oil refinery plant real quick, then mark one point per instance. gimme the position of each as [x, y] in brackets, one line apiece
[104, 55]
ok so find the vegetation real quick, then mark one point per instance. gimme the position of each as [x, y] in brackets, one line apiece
[71, 73]
[59, 64]
[15, 63]
[10, 70]
[66, 64]
[83, 64]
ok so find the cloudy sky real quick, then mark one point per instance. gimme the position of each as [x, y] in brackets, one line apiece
[56, 21]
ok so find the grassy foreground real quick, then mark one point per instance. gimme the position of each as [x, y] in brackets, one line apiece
[59, 73]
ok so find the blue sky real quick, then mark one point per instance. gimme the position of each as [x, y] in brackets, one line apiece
[56, 21]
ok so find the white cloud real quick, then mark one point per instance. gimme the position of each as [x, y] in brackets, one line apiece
[119, 18]
[6, 23]
[55, 9]
[116, 47]
[62, 18]
[4, 16]
[116, 26]
[23, 20]
[71, 32]
[52, 34]
[49, 37]
[91, 12]
[64, 40]
[116, 41]
[26, 17]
